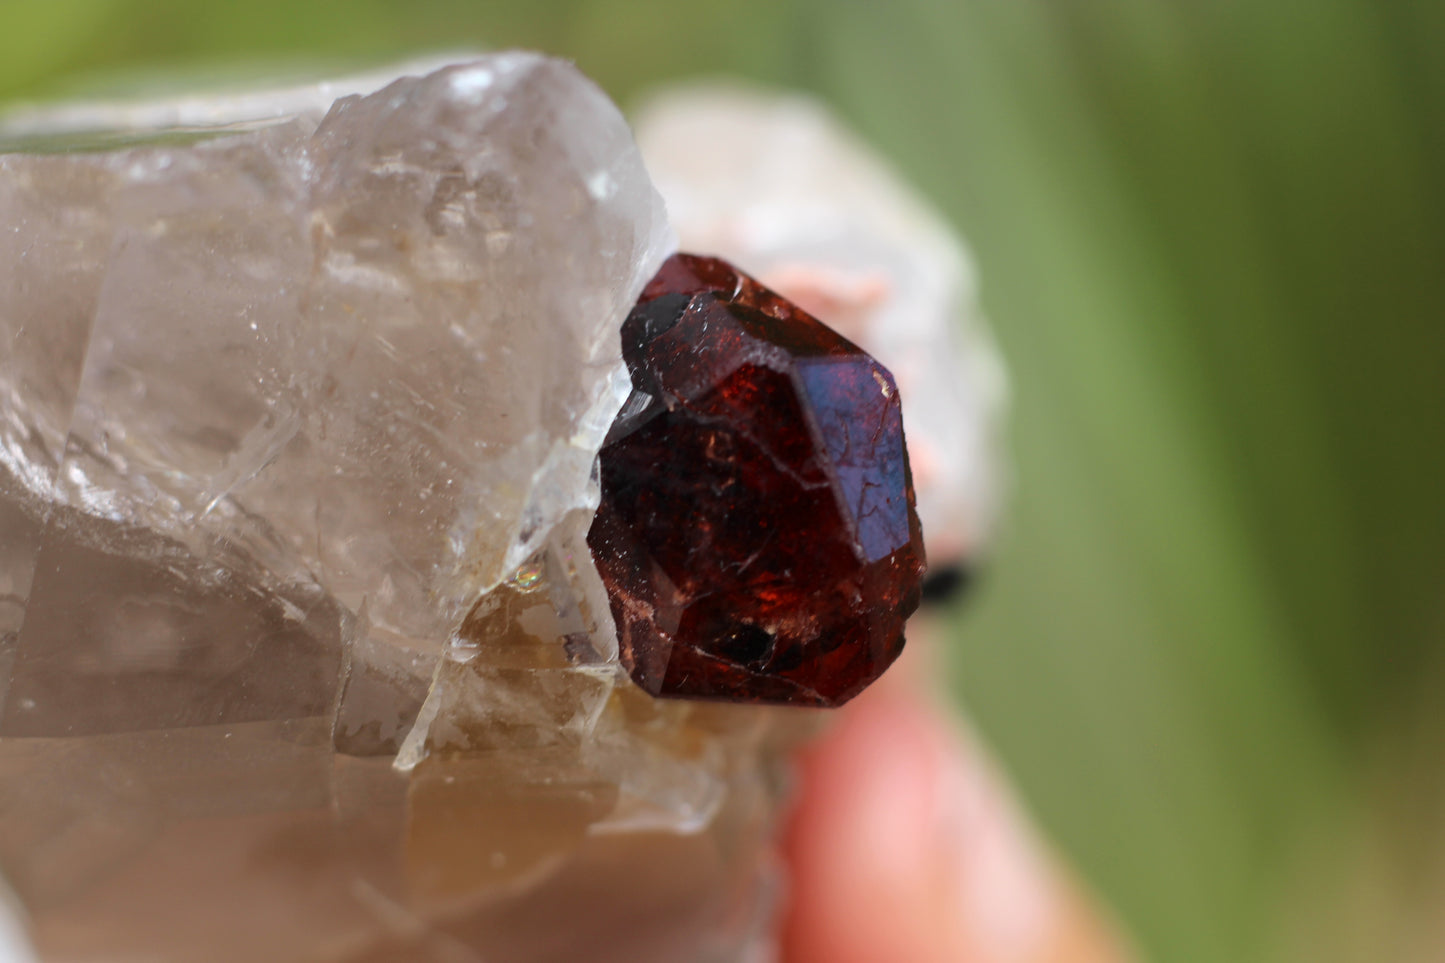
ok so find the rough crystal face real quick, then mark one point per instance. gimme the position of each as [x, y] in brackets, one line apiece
[302, 652]
[757, 532]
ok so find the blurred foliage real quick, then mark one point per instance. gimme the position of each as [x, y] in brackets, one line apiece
[1212, 240]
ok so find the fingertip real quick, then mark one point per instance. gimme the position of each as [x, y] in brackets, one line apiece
[904, 847]
[860, 841]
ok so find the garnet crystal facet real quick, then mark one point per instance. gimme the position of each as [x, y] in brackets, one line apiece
[757, 532]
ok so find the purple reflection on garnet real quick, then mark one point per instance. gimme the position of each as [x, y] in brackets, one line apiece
[757, 533]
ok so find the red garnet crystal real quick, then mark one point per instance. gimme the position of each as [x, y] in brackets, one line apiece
[757, 534]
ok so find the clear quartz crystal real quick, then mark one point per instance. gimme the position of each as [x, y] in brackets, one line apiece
[302, 653]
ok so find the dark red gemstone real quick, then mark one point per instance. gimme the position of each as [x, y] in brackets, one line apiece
[757, 533]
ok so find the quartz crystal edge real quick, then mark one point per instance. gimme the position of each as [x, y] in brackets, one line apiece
[105, 123]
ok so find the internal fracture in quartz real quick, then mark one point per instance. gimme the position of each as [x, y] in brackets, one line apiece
[757, 532]
[303, 655]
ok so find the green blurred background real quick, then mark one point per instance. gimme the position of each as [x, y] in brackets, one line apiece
[1212, 241]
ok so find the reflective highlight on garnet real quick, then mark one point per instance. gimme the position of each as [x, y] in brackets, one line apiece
[757, 532]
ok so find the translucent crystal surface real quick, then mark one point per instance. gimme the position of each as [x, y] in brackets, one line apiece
[302, 653]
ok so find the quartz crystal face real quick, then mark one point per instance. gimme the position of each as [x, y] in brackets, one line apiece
[757, 533]
[303, 654]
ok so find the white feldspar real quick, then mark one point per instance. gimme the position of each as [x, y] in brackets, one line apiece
[302, 652]
[775, 184]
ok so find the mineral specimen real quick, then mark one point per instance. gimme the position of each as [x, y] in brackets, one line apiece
[303, 655]
[757, 532]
